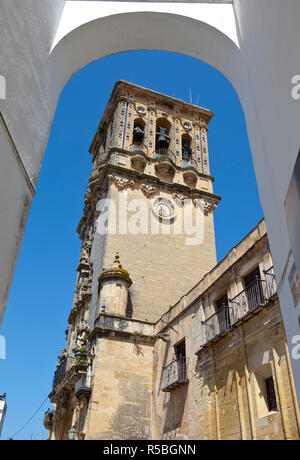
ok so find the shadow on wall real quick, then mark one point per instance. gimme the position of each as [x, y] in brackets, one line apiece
[174, 420]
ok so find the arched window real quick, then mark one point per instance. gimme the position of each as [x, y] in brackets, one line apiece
[163, 127]
[186, 142]
[138, 131]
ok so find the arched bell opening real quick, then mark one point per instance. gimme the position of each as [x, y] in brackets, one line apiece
[162, 142]
[186, 148]
[138, 134]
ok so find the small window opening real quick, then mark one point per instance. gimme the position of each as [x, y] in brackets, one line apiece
[162, 134]
[138, 131]
[186, 142]
[271, 395]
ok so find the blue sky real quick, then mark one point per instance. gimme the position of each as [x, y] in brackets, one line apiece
[44, 281]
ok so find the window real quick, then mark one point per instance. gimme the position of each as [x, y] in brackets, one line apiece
[252, 276]
[186, 141]
[180, 349]
[162, 134]
[223, 315]
[254, 290]
[181, 360]
[138, 131]
[271, 395]
[222, 302]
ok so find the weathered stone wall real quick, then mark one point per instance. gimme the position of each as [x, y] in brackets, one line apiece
[120, 404]
[160, 265]
[225, 398]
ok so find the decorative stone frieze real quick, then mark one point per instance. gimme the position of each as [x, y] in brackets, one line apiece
[120, 182]
[148, 190]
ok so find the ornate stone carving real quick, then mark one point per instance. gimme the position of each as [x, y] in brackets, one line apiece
[206, 206]
[82, 335]
[148, 190]
[179, 196]
[275, 331]
[61, 357]
[85, 252]
[120, 182]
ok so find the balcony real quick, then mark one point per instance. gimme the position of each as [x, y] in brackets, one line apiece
[48, 420]
[165, 154]
[248, 302]
[83, 386]
[175, 374]
[139, 147]
[69, 362]
[189, 163]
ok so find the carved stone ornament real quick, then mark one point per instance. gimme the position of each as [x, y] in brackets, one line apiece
[275, 331]
[206, 206]
[86, 251]
[148, 190]
[62, 357]
[82, 335]
[120, 182]
[180, 197]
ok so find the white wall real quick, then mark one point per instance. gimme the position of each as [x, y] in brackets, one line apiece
[27, 30]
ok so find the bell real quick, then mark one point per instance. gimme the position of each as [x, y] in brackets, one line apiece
[162, 136]
[138, 130]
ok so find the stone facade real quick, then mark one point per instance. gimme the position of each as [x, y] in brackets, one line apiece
[138, 363]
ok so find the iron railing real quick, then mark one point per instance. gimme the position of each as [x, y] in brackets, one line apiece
[217, 324]
[165, 153]
[68, 362]
[138, 147]
[257, 294]
[271, 281]
[174, 374]
[188, 163]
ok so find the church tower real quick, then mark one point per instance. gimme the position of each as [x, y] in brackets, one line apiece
[147, 236]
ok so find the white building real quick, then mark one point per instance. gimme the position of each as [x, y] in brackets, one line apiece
[3, 408]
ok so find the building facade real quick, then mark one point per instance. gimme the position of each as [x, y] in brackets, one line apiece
[138, 363]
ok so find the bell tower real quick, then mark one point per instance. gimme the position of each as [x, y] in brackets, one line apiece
[151, 181]
[147, 236]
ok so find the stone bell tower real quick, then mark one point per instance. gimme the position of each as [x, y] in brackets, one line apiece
[149, 205]
[151, 179]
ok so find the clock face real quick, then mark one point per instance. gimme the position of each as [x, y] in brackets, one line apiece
[187, 126]
[164, 209]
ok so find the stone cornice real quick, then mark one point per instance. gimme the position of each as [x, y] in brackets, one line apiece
[112, 325]
[174, 187]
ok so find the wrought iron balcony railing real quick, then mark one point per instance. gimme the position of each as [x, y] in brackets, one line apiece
[139, 147]
[68, 362]
[175, 374]
[271, 282]
[187, 163]
[217, 324]
[256, 295]
[161, 154]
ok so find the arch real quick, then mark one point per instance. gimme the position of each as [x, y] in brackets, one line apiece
[138, 131]
[156, 31]
[186, 147]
